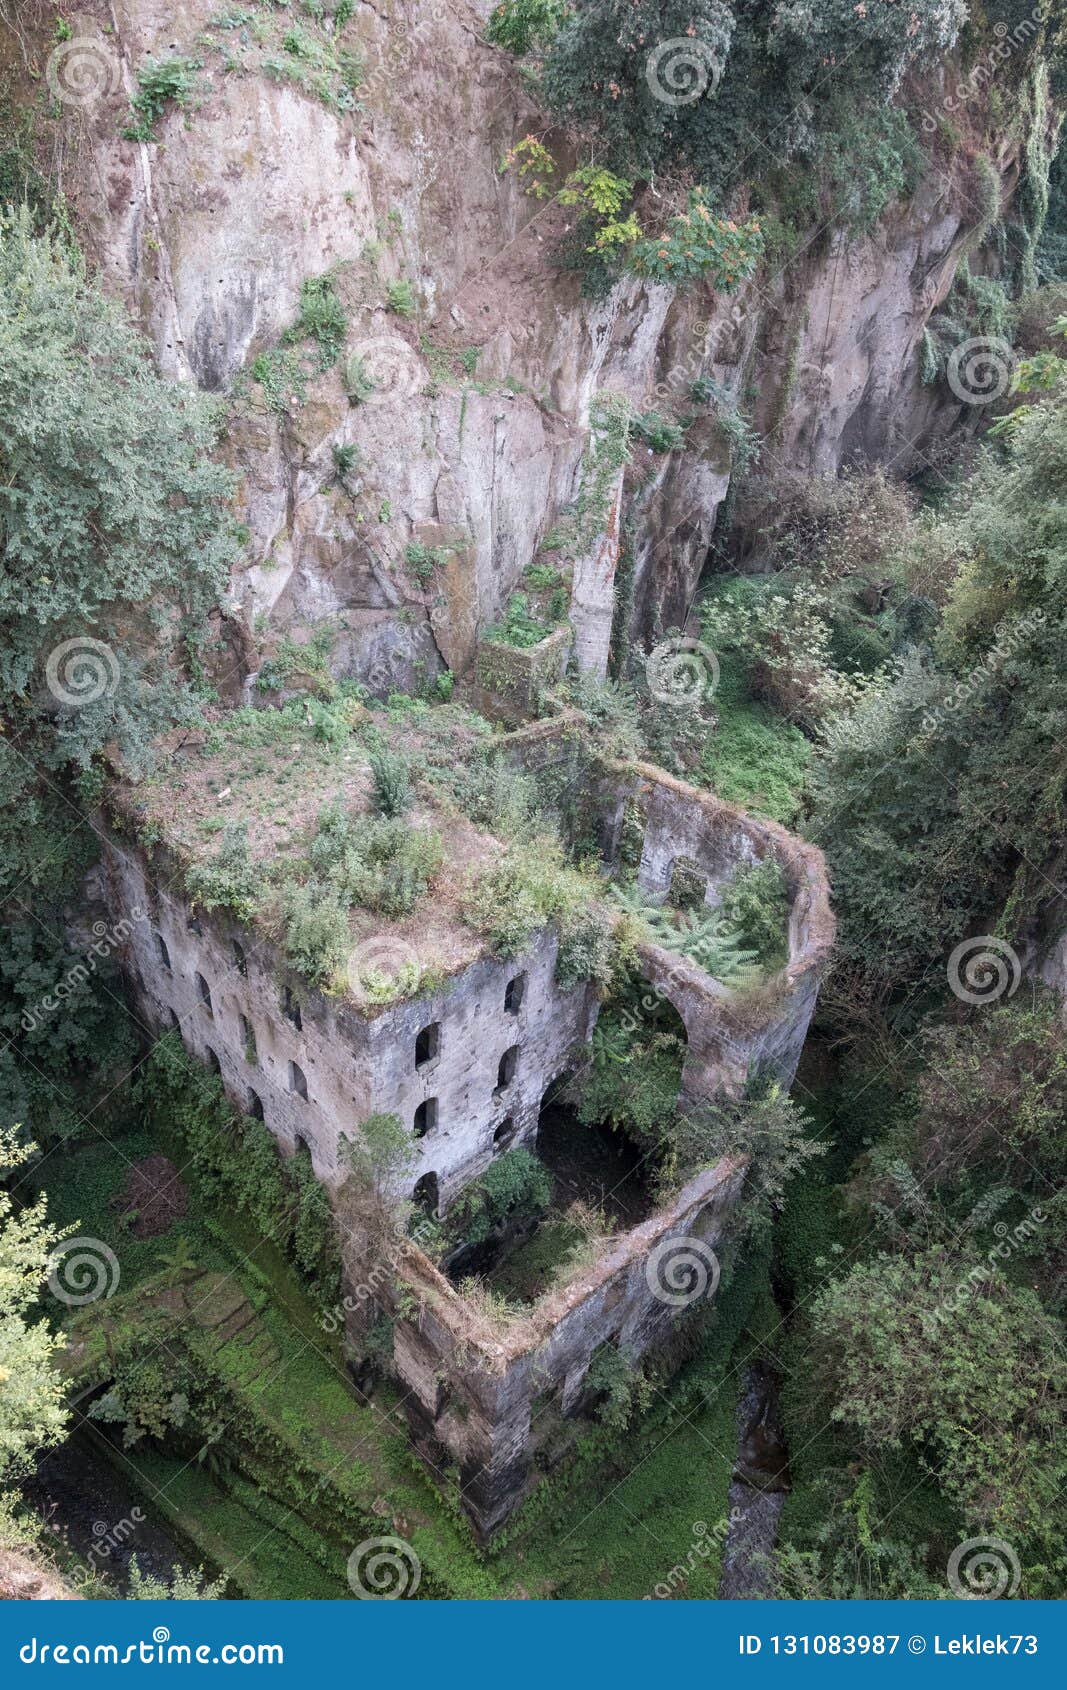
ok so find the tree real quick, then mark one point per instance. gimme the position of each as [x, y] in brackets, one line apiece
[691, 83]
[113, 518]
[967, 1372]
[62, 1018]
[937, 799]
[32, 1416]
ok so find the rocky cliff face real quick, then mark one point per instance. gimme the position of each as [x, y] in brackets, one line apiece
[473, 435]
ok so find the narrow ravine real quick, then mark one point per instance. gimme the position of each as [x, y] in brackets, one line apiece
[103, 1518]
[757, 1489]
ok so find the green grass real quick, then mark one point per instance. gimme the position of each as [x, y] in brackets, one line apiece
[754, 757]
[528, 1270]
[317, 1471]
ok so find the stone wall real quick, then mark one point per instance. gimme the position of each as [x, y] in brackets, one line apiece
[592, 609]
[484, 1396]
[730, 1032]
[352, 1063]
[510, 681]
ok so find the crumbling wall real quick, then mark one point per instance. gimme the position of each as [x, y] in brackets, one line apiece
[730, 1032]
[476, 1393]
[352, 1063]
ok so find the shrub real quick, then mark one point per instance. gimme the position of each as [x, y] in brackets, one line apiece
[696, 244]
[756, 902]
[388, 865]
[400, 298]
[767, 1126]
[425, 561]
[158, 81]
[900, 1360]
[784, 633]
[281, 376]
[378, 862]
[529, 888]
[495, 796]
[230, 880]
[534, 165]
[634, 1076]
[520, 25]
[383, 1149]
[993, 1099]
[321, 318]
[109, 502]
[612, 1381]
[345, 458]
[855, 527]
[317, 938]
[514, 1187]
[236, 1159]
[658, 431]
[586, 950]
[392, 784]
[877, 42]
[518, 626]
[707, 939]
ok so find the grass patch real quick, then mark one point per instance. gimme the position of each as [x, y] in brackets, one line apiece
[754, 757]
[308, 1471]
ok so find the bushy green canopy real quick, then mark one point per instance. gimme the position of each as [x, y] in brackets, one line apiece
[113, 517]
[942, 798]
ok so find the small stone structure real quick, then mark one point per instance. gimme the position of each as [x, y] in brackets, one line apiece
[510, 681]
[730, 1033]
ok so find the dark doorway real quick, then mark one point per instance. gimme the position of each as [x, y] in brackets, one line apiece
[426, 1194]
[425, 1117]
[427, 1044]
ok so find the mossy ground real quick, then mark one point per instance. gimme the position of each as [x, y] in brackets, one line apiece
[311, 1470]
[755, 757]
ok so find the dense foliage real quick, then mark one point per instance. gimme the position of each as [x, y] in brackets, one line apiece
[32, 1415]
[113, 525]
[937, 797]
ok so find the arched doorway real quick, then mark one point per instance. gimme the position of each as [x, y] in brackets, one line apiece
[427, 1194]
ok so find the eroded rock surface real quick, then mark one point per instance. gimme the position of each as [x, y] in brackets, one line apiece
[473, 437]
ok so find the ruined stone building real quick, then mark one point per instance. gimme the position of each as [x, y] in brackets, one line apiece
[465, 1059]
